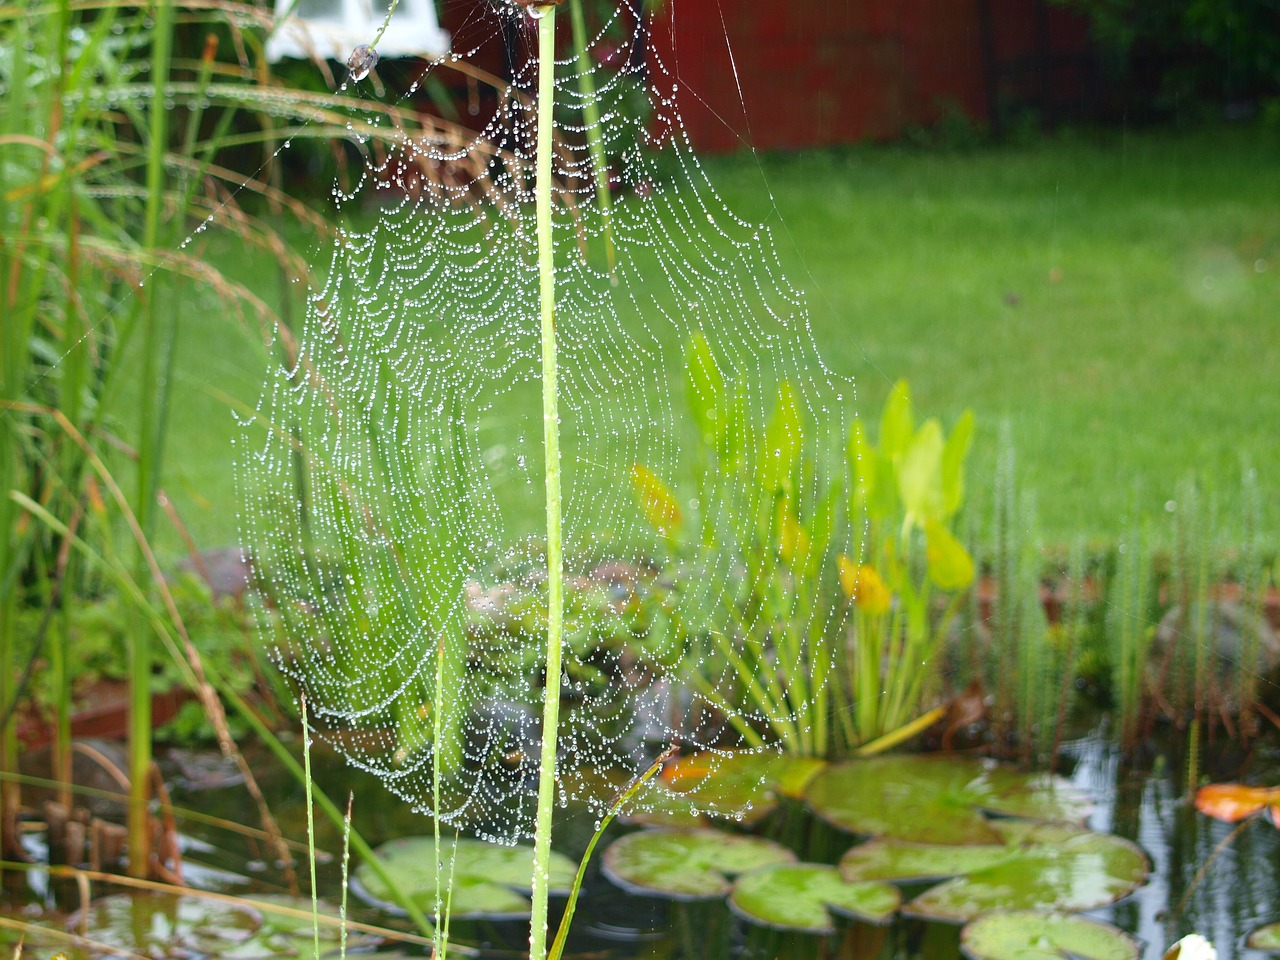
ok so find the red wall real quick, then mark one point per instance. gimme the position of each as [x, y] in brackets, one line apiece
[819, 72]
[814, 72]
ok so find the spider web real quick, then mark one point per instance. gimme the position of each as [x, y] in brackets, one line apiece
[394, 503]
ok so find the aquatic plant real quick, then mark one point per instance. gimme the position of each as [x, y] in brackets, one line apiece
[936, 799]
[1028, 934]
[767, 527]
[906, 490]
[836, 561]
[1027, 663]
[1035, 866]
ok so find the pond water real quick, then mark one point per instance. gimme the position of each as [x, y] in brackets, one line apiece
[1142, 799]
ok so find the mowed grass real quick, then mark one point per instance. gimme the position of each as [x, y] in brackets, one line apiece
[1113, 300]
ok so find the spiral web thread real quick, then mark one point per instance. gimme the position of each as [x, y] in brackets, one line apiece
[393, 503]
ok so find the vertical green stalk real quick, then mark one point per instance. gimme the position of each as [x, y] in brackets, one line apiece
[591, 116]
[440, 936]
[551, 444]
[148, 450]
[311, 824]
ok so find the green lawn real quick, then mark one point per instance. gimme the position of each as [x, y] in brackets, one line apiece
[1114, 300]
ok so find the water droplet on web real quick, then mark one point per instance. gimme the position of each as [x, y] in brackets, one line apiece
[363, 59]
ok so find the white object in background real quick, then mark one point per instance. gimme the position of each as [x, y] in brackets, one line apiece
[331, 29]
[1191, 947]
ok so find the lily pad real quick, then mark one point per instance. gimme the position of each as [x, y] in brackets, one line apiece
[487, 880]
[1030, 935]
[168, 925]
[1037, 866]
[287, 930]
[743, 784]
[930, 799]
[1265, 938]
[802, 896]
[687, 864]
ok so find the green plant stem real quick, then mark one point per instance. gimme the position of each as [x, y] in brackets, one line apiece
[441, 945]
[311, 823]
[148, 454]
[327, 806]
[562, 935]
[591, 118]
[551, 443]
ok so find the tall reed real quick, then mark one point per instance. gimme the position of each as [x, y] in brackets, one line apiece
[546, 19]
[1128, 625]
[101, 178]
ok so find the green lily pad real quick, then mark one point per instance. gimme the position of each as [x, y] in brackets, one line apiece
[488, 880]
[687, 864]
[930, 799]
[1266, 937]
[1030, 935]
[287, 930]
[37, 941]
[743, 784]
[802, 896]
[168, 925]
[1037, 866]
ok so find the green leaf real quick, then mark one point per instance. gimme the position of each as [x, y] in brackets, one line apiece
[1043, 866]
[1030, 935]
[873, 488]
[657, 502]
[1265, 938]
[734, 436]
[803, 896]
[744, 784]
[935, 799]
[950, 566]
[704, 389]
[896, 424]
[783, 437]
[920, 474]
[687, 864]
[862, 457]
[954, 455]
[484, 879]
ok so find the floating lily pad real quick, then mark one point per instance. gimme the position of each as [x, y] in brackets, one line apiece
[936, 799]
[39, 942]
[742, 784]
[168, 925]
[1030, 935]
[1265, 938]
[687, 864]
[1037, 866]
[483, 879]
[802, 896]
[287, 930]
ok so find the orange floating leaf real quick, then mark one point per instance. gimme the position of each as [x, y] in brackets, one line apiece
[1233, 802]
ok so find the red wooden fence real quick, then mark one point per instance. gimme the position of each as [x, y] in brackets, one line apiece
[815, 72]
[805, 73]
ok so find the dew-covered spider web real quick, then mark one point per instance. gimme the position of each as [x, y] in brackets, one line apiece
[394, 503]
